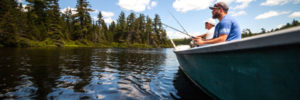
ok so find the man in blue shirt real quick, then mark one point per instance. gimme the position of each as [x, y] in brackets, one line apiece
[226, 30]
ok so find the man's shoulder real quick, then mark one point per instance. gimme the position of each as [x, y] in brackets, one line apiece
[228, 18]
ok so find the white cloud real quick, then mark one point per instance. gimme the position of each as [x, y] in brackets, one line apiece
[108, 20]
[226, 1]
[274, 2]
[278, 2]
[107, 16]
[135, 5]
[68, 8]
[239, 13]
[244, 4]
[296, 1]
[241, 3]
[295, 14]
[187, 5]
[270, 14]
[95, 18]
[153, 4]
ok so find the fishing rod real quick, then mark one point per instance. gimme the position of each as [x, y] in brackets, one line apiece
[178, 22]
[185, 32]
[178, 30]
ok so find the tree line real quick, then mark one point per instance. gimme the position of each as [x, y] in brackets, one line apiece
[42, 21]
[247, 32]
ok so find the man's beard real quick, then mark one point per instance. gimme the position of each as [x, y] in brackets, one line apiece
[217, 15]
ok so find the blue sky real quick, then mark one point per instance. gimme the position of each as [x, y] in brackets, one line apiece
[252, 14]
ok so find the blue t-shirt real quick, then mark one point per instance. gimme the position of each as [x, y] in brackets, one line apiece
[228, 26]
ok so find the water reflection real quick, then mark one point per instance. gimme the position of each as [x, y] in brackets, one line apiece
[88, 73]
[186, 90]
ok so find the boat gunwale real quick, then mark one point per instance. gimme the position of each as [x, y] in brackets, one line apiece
[282, 37]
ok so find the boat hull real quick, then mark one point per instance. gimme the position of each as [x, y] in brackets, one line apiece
[262, 73]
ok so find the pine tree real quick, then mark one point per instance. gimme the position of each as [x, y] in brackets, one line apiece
[112, 31]
[83, 21]
[131, 28]
[140, 29]
[102, 28]
[8, 26]
[68, 27]
[54, 21]
[149, 30]
[121, 28]
[158, 28]
[263, 30]
[37, 15]
[295, 22]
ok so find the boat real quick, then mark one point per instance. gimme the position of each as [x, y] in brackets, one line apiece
[262, 67]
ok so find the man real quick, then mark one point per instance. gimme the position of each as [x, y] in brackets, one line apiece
[226, 30]
[210, 26]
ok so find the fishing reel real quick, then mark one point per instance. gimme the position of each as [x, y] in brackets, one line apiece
[193, 43]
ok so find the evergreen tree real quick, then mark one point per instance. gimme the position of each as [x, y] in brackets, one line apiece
[41, 19]
[112, 31]
[37, 15]
[263, 30]
[141, 29]
[68, 27]
[158, 29]
[99, 36]
[103, 30]
[149, 30]
[8, 26]
[121, 28]
[82, 21]
[21, 20]
[295, 22]
[54, 21]
[131, 28]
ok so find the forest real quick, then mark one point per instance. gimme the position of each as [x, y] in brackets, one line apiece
[247, 32]
[41, 24]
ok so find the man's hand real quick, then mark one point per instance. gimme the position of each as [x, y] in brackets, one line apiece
[199, 41]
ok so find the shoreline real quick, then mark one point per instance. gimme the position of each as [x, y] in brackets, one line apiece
[27, 43]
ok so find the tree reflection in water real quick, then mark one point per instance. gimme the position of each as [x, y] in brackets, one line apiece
[90, 73]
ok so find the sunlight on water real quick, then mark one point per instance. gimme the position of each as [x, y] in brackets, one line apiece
[88, 73]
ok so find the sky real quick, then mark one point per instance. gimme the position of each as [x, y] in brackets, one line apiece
[252, 14]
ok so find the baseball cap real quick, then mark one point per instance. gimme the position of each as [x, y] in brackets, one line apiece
[222, 5]
[211, 21]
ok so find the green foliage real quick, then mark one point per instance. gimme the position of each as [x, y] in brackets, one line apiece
[247, 32]
[8, 22]
[182, 41]
[41, 24]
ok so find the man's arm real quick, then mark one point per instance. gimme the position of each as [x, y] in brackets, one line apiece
[221, 38]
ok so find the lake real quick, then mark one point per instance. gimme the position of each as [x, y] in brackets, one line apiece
[93, 73]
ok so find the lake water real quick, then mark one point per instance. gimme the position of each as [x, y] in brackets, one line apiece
[93, 73]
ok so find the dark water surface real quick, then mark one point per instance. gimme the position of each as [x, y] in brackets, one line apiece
[93, 73]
